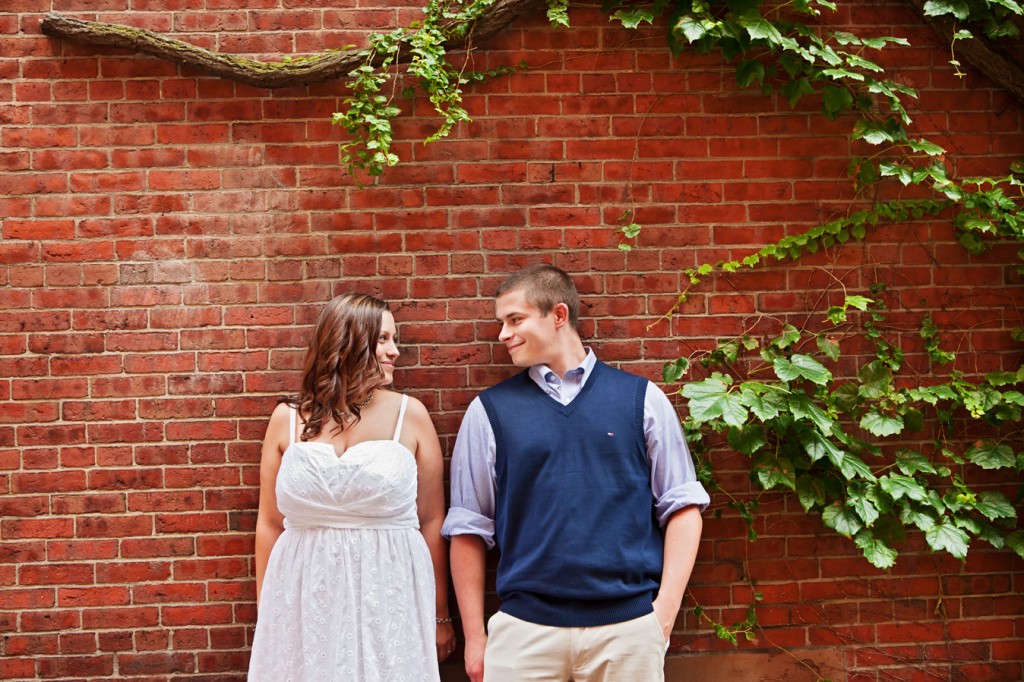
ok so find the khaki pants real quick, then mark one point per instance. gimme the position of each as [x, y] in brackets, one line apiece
[631, 651]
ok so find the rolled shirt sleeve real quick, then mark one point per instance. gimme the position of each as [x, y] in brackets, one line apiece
[674, 483]
[473, 484]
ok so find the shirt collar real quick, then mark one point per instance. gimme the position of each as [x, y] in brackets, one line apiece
[543, 374]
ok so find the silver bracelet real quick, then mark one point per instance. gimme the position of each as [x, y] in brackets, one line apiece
[443, 620]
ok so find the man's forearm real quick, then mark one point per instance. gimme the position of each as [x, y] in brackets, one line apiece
[468, 567]
[682, 538]
[469, 564]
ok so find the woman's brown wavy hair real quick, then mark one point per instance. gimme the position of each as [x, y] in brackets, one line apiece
[341, 366]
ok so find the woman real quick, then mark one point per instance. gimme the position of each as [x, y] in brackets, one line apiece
[347, 588]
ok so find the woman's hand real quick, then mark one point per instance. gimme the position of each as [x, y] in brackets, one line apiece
[445, 640]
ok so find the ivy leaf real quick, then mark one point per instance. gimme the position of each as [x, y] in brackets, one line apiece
[1015, 541]
[875, 380]
[728, 351]
[836, 314]
[902, 486]
[967, 523]
[842, 520]
[810, 490]
[871, 132]
[865, 509]
[853, 466]
[748, 72]
[691, 27]
[835, 100]
[774, 471]
[840, 74]
[858, 302]
[804, 366]
[943, 392]
[817, 446]
[922, 519]
[759, 28]
[929, 148]
[877, 552]
[802, 408]
[674, 371]
[911, 462]
[748, 439]
[922, 394]
[828, 347]
[945, 536]
[788, 337]
[879, 43]
[794, 90]
[861, 63]
[991, 535]
[913, 419]
[936, 8]
[994, 505]
[880, 424]
[764, 402]
[990, 455]
[711, 399]
[845, 398]
[1001, 378]
[629, 18]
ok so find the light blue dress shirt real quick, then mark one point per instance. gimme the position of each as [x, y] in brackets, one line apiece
[674, 483]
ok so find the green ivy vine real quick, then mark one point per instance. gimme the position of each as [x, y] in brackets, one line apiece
[838, 443]
[370, 108]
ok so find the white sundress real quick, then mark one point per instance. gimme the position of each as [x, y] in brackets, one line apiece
[348, 593]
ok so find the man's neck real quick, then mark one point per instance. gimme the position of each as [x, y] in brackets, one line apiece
[570, 357]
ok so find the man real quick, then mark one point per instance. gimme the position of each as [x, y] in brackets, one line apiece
[580, 475]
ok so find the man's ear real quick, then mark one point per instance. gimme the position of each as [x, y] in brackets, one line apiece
[561, 313]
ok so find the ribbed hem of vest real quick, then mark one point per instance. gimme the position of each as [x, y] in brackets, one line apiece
[576, 613]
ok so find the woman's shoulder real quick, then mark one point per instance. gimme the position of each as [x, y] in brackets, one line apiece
[414, 410]
[282, 411]
[280, 424]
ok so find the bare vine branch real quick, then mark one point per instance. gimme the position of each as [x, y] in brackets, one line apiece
[980, 52]
[253, 72]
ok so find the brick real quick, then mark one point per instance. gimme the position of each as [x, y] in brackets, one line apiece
[125, 617]
[56, 574]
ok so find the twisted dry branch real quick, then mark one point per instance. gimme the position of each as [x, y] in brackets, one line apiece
[980, 53]
[306, 71]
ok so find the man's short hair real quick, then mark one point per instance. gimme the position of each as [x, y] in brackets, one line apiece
[545, 286]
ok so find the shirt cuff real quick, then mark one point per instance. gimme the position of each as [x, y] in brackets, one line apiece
[462, 521]
[680, 497]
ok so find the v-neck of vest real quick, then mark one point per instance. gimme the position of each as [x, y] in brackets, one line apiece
[566, 410]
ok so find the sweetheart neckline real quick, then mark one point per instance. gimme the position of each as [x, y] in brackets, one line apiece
[340, 455]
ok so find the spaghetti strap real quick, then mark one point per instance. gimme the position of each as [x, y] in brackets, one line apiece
[401, 418]
[292, 411]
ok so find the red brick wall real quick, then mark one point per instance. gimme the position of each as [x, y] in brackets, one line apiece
[168, 237]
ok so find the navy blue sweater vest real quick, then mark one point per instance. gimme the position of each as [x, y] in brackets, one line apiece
[574, 518]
